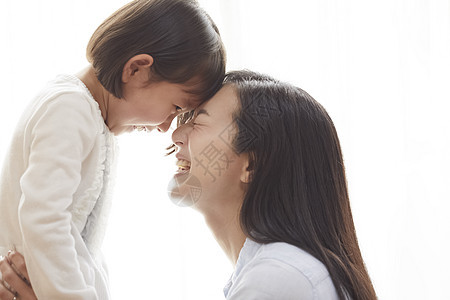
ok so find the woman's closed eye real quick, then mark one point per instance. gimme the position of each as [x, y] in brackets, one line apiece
[199, 116]
[197, 121]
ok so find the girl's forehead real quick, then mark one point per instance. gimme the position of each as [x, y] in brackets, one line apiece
[196, 90]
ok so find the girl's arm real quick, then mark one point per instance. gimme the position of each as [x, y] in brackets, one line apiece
[60, 135]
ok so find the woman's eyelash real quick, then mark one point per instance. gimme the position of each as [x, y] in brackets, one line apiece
[171, 149]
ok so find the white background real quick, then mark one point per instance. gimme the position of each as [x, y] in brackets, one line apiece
[382, 70]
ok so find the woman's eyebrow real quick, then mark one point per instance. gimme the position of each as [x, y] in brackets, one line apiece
[202, 111]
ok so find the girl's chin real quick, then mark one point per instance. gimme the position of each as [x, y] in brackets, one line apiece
[131, 128]
[121, 130]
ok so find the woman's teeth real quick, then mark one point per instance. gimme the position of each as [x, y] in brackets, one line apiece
[183, 165]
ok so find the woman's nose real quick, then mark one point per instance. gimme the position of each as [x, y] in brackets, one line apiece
[179, 136]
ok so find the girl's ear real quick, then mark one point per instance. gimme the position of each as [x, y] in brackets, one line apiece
[137, 68]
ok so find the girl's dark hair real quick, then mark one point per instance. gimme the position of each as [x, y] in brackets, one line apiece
[182, 39]
[298, 190]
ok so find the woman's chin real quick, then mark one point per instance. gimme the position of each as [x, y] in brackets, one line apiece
[182, 173]
[184, 189]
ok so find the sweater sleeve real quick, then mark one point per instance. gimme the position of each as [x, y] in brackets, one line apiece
[61, 134]
[268, 279]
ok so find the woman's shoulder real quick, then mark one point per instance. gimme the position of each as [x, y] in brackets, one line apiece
[295, 257]
[288, 270]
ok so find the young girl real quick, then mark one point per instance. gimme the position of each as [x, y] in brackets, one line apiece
[149, 61]
[273, 191]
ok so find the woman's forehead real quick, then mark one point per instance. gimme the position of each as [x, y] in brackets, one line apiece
[224, 99]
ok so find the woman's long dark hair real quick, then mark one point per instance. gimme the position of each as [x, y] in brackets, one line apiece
[298, 189]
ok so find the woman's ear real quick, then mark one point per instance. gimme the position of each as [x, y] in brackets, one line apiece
[137, 68]
[246, 171]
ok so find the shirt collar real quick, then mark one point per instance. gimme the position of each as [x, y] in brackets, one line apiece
[246, 254]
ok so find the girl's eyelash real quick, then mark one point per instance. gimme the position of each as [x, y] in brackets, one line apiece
[185, 118]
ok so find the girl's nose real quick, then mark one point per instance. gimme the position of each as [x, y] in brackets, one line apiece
[163, 127]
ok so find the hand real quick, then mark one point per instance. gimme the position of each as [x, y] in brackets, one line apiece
[15, 283]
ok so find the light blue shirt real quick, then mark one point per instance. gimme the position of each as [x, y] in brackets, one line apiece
[278, 271]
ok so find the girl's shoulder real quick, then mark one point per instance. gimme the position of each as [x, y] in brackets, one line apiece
[64, 97]
[68, 87]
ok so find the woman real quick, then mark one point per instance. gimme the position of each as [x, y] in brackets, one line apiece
[266, 159]
[149, 61]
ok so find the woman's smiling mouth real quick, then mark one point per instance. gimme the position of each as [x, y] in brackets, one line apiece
[183, 166]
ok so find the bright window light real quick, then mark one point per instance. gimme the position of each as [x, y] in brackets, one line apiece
[380, 68]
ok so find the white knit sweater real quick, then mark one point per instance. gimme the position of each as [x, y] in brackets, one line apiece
[55, 192]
